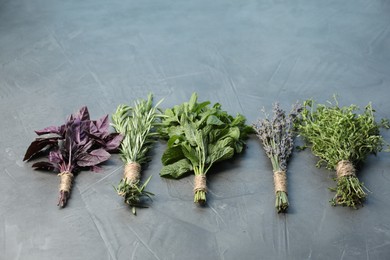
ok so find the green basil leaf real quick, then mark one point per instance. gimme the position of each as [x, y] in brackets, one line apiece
[177, 169]
[172, 154]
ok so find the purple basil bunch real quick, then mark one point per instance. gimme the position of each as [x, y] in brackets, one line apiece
[79, 144]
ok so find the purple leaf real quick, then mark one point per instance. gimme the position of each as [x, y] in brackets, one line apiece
[102, 124]
[62, 130]
[82, 114]
[46, 166]
[92, 127]
[38, 146]
[113, 141]
[86, 147]
[56, 157]
[49, 130]
[93, 158]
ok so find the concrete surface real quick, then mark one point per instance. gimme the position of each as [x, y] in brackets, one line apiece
[56, 56]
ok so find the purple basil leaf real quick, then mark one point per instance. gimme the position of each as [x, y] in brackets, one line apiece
[49, 130]
[113, 141]
[75, 128]
[62, 130]
[93, 128]
[56, 157]
[86, 147]
[46, 166]
[49, 136]
[38, 146]
[93, 158]
[97, 139]
[102, 124]
[84, 130]
[82, 114]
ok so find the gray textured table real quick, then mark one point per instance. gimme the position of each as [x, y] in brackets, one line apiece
[56, 56]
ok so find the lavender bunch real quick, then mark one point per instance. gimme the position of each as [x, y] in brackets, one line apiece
[277, 136]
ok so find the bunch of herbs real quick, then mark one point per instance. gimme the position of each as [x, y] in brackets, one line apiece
[79, 144]
[200, 135]
[277, 136]
[342, 138]
[137, 125]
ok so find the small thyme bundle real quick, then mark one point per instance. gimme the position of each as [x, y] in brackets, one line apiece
[277, 137]
[137, 125]
[342, 139]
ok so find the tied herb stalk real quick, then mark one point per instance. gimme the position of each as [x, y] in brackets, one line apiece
[137, 125]
[199, 136]
[342, 138]
[79, 144]
[277, 136]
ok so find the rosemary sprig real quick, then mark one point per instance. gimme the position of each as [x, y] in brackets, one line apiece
[137, 125]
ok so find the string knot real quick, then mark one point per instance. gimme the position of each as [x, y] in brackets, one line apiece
[345, 168]
[280, 181]
[66, 179]
[200, 183]
[132, 172]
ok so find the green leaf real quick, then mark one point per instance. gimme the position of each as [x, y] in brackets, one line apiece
[174, 140]
[192, 103]
[221, 150]
[175, 130]
[222, 154]
[238, 120]
[190, 154]
[190, 133]
[171, 155]
[234, 132]
[213, 120]
[176, 170]
[178, 110]
[200, 106]
[169, 112]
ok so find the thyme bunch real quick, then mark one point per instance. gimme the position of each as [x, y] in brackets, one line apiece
[342, 138]
[137, 125]
[277, 137]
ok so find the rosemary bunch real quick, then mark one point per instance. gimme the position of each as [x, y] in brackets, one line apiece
[137, 125]
[277, 136]
[342, 138]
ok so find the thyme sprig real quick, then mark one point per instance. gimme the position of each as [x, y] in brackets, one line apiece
[137, 125]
